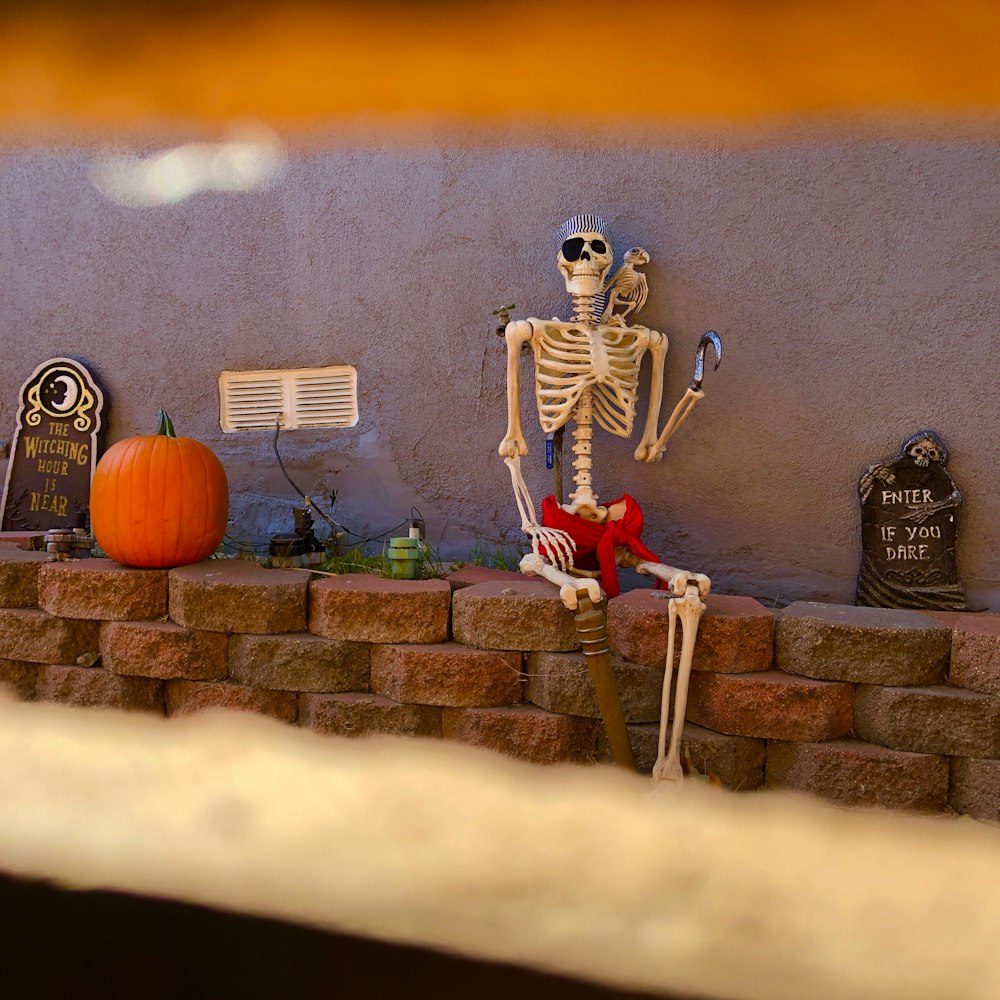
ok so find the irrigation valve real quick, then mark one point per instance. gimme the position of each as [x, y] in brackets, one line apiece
[302, 547]
[503, 317]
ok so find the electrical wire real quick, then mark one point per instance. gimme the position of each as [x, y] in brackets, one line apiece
[335, 525]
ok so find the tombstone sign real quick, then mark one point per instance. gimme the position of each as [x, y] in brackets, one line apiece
[54, 452]
[908, 510]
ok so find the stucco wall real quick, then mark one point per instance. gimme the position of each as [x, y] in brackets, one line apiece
[852, 274]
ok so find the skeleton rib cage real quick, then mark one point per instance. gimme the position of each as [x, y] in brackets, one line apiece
[570, 358]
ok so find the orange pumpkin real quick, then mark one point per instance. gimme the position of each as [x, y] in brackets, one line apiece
[159, 500]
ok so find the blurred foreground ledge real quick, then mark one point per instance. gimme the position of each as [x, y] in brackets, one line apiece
[573, 870]
[111, 67]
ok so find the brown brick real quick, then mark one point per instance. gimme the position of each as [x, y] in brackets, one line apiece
[975, 653]
[561, 682]
[19, 677]
[299, 662]
[102, 590]
[93, 687]
[367, 715]
[469, 576]
[163, 650]
[523, 615]
[770, 705]
[737, 761]
[446, 674]
[19, 576]
[236, 595]
[859, 774]
[524, 731]
[27, 634]
[364, 608]
[734, 634]
[836, 642]
[185, 697]
[939, 719]
[975, 788]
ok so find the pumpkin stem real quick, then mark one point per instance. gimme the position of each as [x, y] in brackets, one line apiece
[166, 425]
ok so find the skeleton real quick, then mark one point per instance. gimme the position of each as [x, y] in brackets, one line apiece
[587, 370]
[628, 289]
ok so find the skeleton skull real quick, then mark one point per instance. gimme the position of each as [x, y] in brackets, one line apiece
[924, 451]
[584, 259]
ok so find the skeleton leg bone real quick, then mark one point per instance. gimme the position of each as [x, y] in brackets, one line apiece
[534, 564]
[677, 579]
[690, 609]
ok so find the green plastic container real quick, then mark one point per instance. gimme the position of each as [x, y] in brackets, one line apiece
[404, 557]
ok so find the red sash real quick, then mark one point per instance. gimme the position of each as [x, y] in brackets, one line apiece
[596, 541]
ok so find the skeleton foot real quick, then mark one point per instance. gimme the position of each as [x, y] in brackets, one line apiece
[690, 609]
[534, 565]
[666, 770]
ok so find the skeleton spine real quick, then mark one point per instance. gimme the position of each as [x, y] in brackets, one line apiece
[585, 313]
[582, 433]
[585, 309]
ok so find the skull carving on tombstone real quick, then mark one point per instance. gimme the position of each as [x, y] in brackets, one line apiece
[585, 255]
[924, 450]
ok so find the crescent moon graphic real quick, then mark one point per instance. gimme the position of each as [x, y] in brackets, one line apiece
[72, 394]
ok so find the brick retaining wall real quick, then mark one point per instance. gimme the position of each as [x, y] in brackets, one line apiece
[861, 706]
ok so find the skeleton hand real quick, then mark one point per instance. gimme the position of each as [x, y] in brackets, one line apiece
[881, 472]
[559, 546]
[923, 511]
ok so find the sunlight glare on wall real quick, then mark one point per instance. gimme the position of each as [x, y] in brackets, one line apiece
[247, 161]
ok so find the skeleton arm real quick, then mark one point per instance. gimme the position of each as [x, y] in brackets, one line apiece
[559, 546]
[558, 560]
[658, 352]
[647, 452]
[681, 412]
[517, 335]
[677, 579]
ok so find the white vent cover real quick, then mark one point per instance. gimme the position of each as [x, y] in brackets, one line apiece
[297, 397]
